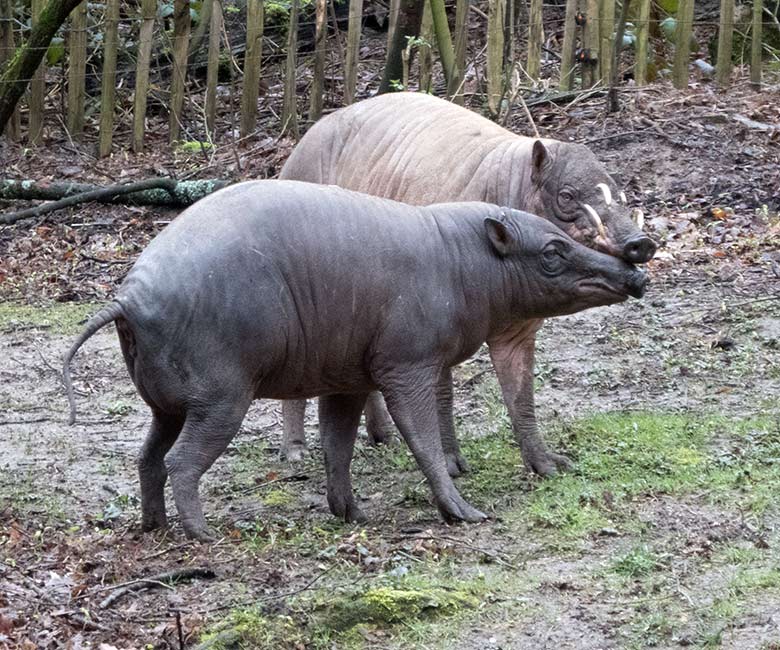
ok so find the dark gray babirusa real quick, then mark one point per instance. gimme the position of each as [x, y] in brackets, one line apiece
[287, 290]
[414, 148]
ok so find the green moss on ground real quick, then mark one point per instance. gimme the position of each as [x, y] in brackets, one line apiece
[58, 317]
[387, 605]
[327, 619]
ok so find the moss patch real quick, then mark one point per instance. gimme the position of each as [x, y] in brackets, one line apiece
[390, 605]
[59, 318]
[250, 628]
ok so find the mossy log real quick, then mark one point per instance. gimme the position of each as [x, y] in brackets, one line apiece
[165, 192]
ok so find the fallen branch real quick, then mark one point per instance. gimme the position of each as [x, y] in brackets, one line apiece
[562, 98]
[166, 579]
[153, 191]
[82, 621]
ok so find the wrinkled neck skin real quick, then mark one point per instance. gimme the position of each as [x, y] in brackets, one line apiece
[498, 292]
[506, 176]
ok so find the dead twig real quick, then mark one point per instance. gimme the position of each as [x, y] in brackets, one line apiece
[166, 580]
[281, 479]
[496, 557]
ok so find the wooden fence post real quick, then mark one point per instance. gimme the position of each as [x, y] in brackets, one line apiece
[443, 38]
[607, 38]
[392, 20]
[353, 49]
[320, 50]
[535, 40]
[455, 85]
[725, 40]
[755, 44]
[495, 55]
[591, 44]
[642, 31]
[148, 12]
[181, 38]
[252, 66]
[212, 69]
[567, 51]
[425, 53]
[289, 102]
[37, 88]
[108, 85]
[682, 47]
[7, 49]
[77, 68]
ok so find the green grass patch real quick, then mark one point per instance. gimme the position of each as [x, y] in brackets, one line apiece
[623, 457]
[58, 317]
[639, 561]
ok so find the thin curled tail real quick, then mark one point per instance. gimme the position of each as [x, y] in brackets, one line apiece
[107, 315]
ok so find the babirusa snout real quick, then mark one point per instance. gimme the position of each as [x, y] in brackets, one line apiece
[636, 283]
[639, 249]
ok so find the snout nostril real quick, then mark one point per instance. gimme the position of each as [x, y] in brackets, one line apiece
[639, 250]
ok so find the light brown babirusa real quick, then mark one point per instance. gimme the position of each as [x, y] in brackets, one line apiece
[418, 149]
[289, 290]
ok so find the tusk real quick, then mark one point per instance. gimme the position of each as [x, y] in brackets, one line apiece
[596, 219]
[606, 191]
[623, 198]
[639, 218]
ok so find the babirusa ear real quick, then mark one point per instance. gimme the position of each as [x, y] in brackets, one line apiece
[540, 160]
[502, 240]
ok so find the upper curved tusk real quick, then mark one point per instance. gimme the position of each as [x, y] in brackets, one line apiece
[639, 218]
[607, 192]
[596, 219]
[623, 198]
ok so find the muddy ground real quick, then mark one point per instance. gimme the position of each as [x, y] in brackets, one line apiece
[666, 535]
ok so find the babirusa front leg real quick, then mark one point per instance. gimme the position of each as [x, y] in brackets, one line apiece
[513, 359]
[411, 399]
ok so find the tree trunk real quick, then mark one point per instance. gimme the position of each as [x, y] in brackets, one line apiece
[77, 68]
[408, 24]
[495, 56]
[353, 50]
[455, 84]
[642, 30]
[108, 87]
[289, 101]
[755, 45]
[443, 38]
[14, 131]
[212, 71]
[682, 50]
[320, 50]
[181, 43]
[567, 52]
[148, 12]
[725, 40]
[252, 63]
[28, 57]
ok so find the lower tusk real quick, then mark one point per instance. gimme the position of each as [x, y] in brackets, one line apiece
[639, 218]
[623, 198]
[596, 220]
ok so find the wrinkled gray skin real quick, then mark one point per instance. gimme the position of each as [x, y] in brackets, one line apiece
[418, 149]
[290, 290]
